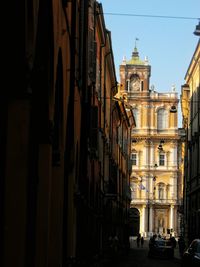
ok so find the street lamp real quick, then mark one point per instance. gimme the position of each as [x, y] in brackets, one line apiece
[197, 30]
[160, 148]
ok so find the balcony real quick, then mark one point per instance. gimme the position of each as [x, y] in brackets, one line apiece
[142, 201]
[164, 201]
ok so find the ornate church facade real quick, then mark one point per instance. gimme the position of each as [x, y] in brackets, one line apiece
[156, 184]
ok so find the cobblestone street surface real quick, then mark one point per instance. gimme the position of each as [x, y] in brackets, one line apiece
[138, 258]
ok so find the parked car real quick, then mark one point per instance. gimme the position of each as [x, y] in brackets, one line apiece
[160, 248]
[191, 256]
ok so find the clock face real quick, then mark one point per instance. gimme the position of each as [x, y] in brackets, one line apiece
[135, 84]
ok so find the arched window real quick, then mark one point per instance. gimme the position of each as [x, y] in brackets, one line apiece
[162, 119]
[135, 83]
[136, 116]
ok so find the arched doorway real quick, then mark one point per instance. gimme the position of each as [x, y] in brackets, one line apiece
[134, 221]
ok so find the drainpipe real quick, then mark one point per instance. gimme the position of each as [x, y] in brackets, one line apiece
[111, 114]
[101, 48]
[104, 98]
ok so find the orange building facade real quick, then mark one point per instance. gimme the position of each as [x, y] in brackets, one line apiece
[190, 105]
[64, 140]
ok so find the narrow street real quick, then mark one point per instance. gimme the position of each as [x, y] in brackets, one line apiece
[138, 257]
[100, 133]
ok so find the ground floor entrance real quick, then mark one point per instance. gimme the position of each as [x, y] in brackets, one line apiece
[155, 219]
[134, 221]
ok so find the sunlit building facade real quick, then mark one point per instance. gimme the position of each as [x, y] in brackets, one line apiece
[154, 151]
[190, 105]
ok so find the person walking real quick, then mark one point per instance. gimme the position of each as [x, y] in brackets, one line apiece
[173, 240]
[142, 241]
[116, 244]
[138, 240]
[152, 241]
[113, 245]
[181, 244]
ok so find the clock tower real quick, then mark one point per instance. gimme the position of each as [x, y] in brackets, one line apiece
[134, 75]
[155, 182]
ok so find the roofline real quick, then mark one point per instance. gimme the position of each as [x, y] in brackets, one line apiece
[111, 53]
[101, 19]
[192, 59]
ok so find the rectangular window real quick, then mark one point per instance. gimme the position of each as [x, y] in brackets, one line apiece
[142, 85]
[162, 160]
[134, 159]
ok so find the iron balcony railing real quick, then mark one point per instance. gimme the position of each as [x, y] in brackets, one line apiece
[153, 201]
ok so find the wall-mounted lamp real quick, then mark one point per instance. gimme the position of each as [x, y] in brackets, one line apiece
[173, 109]
[160, 147]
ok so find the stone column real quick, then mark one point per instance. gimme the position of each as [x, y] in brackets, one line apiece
[175, 187]
[171, 187]
[172, 157]
[146, 156]
[152, 155]
[175, 155]
[143, 220]
[151, 186]
[146, 184]
[152, 118]
[150, 219]
[168, 159]
[165, 193]
[139, 159]
[128, 85]
[171, 223]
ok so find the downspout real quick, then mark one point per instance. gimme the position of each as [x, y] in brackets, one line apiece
[101, 48]
[64, 6]
[104, 98]
[67, 250]
[100, 97]
[111, 116]
[94, 41]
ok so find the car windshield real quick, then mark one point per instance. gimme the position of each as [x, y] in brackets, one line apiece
[195, 246]
[163, 243]
[160, 243]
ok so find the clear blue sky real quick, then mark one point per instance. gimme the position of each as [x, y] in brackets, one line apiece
[168, 43]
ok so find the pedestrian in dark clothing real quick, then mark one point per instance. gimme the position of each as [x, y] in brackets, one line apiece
[142, 241]
[152, 241]
[138, 240]
[127, 241]
[173, 240]
[181, 244]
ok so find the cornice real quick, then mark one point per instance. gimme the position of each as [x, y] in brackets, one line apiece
[194, 61]
[155, 137]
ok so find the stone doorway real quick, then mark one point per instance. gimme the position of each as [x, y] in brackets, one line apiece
[134, 221]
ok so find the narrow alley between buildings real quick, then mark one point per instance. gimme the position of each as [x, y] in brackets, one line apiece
[92, 152]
